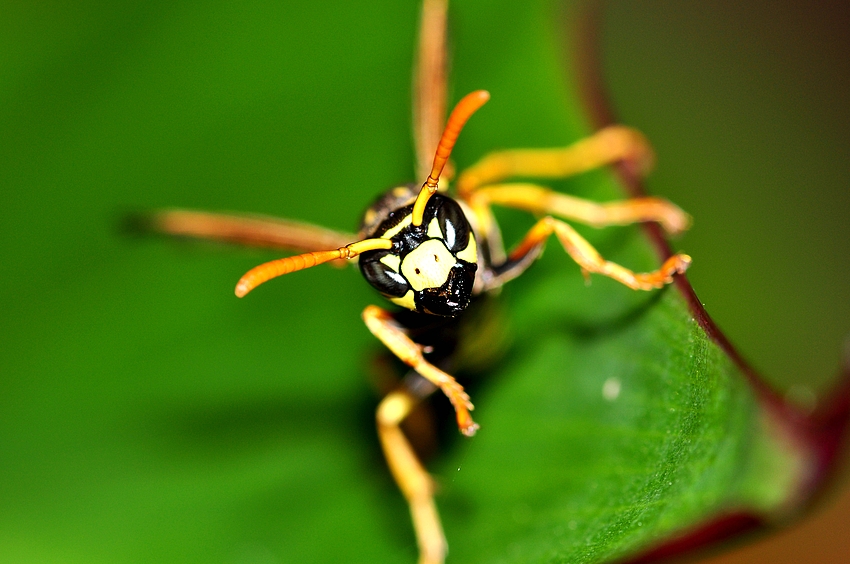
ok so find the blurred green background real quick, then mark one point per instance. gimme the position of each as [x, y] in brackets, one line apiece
[110, 107]
[747, 105]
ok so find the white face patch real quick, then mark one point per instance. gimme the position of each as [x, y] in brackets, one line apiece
[428, 265]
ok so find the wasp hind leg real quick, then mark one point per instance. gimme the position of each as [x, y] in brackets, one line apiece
[609, 145]
[412, 478]
[481, 185]
[542, 200]
[247, 230]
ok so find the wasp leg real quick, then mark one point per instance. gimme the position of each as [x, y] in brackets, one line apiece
[251, 230]
[608, 145]
[382, 325]
[429, 84]
[541, 200]
[591, 261]
[412, 479]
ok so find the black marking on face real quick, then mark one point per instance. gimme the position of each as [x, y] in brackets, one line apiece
[452, 297]
[382, 276]
[454, 226]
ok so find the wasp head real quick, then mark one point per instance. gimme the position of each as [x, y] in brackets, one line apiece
[430, 267]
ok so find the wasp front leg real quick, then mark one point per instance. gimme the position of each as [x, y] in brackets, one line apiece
[412, 478]
[589, 259]
[383, 326]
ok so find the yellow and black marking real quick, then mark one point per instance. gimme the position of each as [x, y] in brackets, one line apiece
[430, 267]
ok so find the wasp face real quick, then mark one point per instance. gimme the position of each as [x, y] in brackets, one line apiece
[431, 268]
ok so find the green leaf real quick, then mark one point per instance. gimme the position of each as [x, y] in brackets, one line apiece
[148, 415]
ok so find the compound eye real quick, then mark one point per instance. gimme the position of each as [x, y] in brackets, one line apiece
[454, 226]
[380, 269]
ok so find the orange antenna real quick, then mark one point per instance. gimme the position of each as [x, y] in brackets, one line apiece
[462, 112]
[279, 267]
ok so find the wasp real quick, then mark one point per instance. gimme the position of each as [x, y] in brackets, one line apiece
[431, 251]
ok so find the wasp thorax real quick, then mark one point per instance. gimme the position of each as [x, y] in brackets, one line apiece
[431, 267]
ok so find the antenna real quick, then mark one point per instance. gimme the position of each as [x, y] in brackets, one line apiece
[265, 272]
[462, 112]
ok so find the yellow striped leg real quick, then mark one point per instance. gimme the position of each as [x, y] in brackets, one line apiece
[412, 479]
[609, 145]
[591, 261]
[542, 200]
